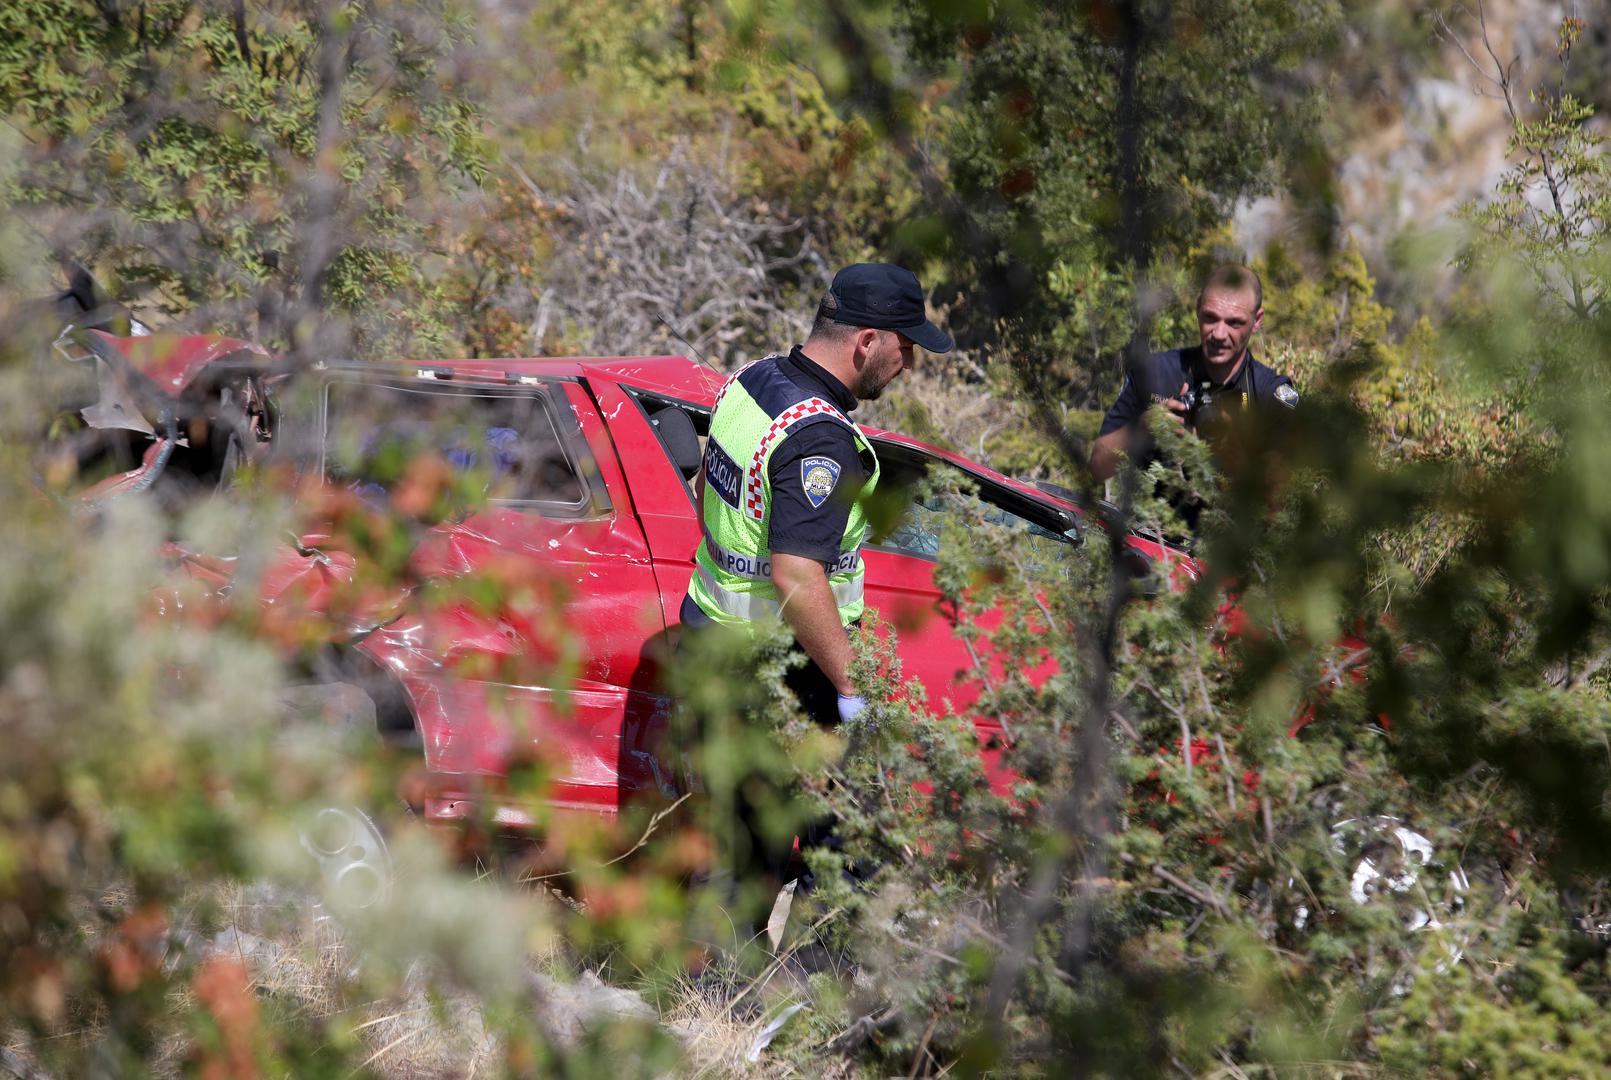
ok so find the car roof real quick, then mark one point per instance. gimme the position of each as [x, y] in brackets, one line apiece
[681, 378]
[175, 361]
[668, 376]
[685, 380]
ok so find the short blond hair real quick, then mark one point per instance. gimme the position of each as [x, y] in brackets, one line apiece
[1233, 277]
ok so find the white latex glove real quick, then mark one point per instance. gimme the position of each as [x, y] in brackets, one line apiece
[850, 707]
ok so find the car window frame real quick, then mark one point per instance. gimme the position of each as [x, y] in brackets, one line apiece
[1061, 523]
[1057, 520]
[699, 414]
[593, 502]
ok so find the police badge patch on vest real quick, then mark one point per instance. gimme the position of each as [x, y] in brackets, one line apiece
[1286, 395]
[818, 475]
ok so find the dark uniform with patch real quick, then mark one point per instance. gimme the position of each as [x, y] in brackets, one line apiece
[1216, 408]
[1255, 386]
[816, 474]
[787, 472]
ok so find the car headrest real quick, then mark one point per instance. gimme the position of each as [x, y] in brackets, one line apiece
[680, 439]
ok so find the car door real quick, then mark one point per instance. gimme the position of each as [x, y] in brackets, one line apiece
[524, 650]
[645, 428]
[904, 552]
[900, 564]
[902, 558]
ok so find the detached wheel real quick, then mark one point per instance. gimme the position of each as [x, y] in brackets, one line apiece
[1393, 859]
[1389, 863]
[352, 857]
[340, 719]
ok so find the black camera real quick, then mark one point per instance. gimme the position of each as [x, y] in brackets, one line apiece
[1210, 408]
[1199, 402]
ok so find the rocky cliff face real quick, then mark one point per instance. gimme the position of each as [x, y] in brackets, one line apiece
[1423, 142]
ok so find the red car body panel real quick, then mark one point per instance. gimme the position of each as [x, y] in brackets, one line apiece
[173, 362]
[593, 597]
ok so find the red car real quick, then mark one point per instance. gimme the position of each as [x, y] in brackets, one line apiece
[591, 465]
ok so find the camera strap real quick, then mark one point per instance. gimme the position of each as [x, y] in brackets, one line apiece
[1244, 386]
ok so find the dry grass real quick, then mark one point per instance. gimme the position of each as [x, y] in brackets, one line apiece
[298, 954]
[423, 1033]
[716, 1042]
[728, 1017]
[303, 965]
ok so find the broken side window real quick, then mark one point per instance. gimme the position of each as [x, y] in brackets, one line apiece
[506, 445]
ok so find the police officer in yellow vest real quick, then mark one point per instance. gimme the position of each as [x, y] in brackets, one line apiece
[787, 471]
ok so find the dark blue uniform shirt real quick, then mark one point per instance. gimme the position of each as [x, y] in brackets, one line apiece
[1255, 386]
[803, 521]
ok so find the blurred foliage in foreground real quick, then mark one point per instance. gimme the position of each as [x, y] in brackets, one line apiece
[1354, 823]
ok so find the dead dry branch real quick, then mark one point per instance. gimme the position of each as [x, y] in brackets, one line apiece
[676, 260]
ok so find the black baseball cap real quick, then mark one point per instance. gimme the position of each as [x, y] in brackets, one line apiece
[885, 297]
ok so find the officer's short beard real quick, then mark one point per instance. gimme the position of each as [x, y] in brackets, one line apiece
[868, 387]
